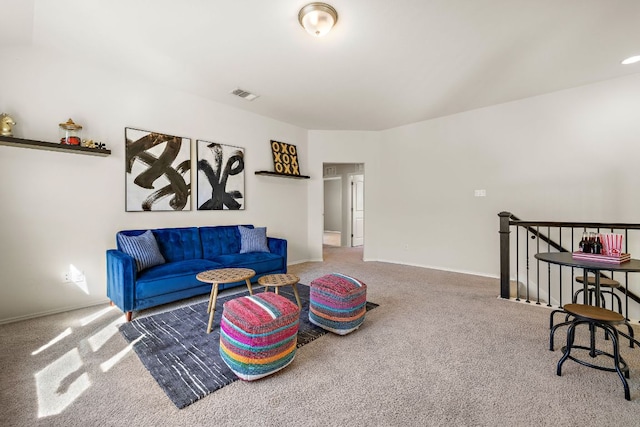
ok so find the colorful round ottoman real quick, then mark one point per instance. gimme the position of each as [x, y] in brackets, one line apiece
[337, 303]
[258, 334]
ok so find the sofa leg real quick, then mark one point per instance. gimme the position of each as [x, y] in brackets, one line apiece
[128, 316]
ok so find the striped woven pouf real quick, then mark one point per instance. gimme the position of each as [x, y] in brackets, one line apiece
[258, 334]
[337, 303]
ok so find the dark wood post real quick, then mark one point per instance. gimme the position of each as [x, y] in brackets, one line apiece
[505, 261]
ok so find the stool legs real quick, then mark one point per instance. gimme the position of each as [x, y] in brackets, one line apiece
[553, 327]
[620, 366]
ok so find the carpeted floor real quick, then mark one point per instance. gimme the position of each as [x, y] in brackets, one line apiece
[440, 350]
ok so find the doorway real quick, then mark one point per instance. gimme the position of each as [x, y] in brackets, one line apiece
[343, 216]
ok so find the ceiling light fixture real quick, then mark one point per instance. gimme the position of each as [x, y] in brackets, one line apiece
[631, 60]
[317, 18]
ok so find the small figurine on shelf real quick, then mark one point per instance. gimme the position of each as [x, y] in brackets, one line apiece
[100, 146]
[70, 133]
[88, 143]
[5, 124]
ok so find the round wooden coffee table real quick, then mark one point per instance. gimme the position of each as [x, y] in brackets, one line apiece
[277, 280]
[223, 275]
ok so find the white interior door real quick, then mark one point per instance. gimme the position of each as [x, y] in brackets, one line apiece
[357, 210]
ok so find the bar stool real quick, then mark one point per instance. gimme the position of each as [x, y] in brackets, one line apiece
[596, 317]
[605, 282]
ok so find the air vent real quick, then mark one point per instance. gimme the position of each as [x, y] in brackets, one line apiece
[244, 94]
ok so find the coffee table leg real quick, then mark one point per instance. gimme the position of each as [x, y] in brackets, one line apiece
[212, 306]
[295, 292]
[249, 286]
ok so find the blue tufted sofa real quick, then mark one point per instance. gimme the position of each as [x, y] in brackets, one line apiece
[187, 252]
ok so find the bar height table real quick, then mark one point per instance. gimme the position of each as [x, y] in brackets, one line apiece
[566, 259]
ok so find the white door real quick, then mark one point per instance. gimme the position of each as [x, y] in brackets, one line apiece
[357, 210]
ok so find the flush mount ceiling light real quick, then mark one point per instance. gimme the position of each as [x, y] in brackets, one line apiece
[317, 18]
[631, 60]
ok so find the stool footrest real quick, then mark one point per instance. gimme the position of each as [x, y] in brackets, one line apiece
[623, 364]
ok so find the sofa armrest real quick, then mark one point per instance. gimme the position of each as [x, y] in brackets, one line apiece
[279, 247]
[121, 279]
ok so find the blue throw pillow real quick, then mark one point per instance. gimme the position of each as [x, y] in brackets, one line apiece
[253, 239]
[143, 248]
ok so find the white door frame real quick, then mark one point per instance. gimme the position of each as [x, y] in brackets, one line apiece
[352, 210]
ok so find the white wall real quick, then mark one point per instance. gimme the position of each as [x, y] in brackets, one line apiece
[530, 157]
[333, 204]
[61, 209]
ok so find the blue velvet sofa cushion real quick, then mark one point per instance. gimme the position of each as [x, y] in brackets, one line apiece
[179, 244]
[176, 244]
[260, 262]
[220, 240]
[172, 277]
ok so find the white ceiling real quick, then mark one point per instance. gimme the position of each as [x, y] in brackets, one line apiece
[385, 64]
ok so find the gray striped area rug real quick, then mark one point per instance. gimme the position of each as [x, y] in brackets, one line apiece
[185, 361]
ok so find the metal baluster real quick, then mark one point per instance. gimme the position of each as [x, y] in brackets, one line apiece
[538, 265]
[528, 266]
[549, 268]
[517, 263]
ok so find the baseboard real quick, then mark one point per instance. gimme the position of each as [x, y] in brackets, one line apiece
[431, 267]
[302, 261]
[50, 312]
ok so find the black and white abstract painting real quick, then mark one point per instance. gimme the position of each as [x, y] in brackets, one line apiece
[158, 171]
[220, 176]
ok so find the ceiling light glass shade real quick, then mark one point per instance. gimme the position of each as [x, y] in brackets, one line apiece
[631, 60]
[317, 18]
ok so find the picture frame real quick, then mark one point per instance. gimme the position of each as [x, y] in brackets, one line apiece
[221, 176]
[157, 171]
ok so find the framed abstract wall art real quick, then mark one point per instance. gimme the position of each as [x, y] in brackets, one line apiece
[158, 171]
[220, 176]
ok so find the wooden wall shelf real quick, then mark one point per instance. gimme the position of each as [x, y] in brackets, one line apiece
[282, 175]
[52, 146]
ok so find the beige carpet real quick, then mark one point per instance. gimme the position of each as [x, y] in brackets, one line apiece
[441, 349]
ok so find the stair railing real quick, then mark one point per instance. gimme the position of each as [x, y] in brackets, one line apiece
[548, 236]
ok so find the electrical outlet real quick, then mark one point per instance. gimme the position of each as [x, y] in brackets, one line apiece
[66, 277]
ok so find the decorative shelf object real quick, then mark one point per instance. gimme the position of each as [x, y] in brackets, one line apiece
[285, 161]
[51, 146]
[282, 175]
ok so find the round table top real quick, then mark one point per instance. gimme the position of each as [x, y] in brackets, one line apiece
[225, 275]
[278, 280]
[565, 258]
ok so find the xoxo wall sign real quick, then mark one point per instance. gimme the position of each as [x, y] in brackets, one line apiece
[285, 158]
